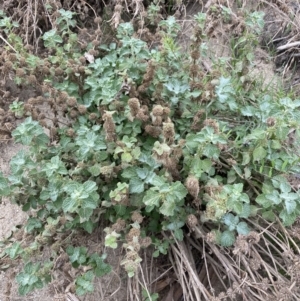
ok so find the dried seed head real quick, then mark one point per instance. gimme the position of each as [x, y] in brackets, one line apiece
[253, 237]
[40, 100]
[194, 70]
[134, 105]
[97, 20]
[107, 170]
[142, 116]
[192, 221]
[98, 32]
[93, 116]
[153, 131]
[169, 132]
[46, 70]
[192, 185]
[58, 71]
[119, 225]
[109, 126]
[71, 102]
[137, 217]
[12, 57]
[132, 255]
[53, 131]
[241, 245]
[95, 43]
[158, 110]
[212, 123]
[195, 54]
[271, 121]
[6, 94]
[118, 8]
[43, 123]
[20, 72]
[145, 242]
[70, 132]
[134, 232]
[8, 66]
[167, 111]
[32, 79]
[142, 88]
[82, 109]
[157, 120]
[32, 101]
[130, 266]
[81, 69]
[73, 113]
[41, 116]
[82, 60]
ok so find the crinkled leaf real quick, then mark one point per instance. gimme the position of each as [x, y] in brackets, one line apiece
[290, 206]
[95, 170]
[227, 238]
[263, 201]
[259, 153]
[288, 219]
[242, 228]
[231, 221]
[152, 198]
[69, 205]
[33, 223]
[168, 207]
[136, 185]
[84, 283]
[269, 215]
[14, 250]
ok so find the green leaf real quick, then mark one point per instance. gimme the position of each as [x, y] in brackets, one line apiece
[129, 173]
[290, 206]
[14, 251]
[263, 201]
[259, 154]
[231, 221]
[95, 170]
[126, 157]
[152, 198]
[111, 240]
[136, 186]
[242, 228]
[246, 211]
[84, 283]
[77, 254]
[178, 233]
[89, 186]
[211, 151]
[142, 173]
[168, 207]
[246, 158]
[33, 223]
[287, 219]
[178, 190]
[269, 216]
[285, 186]
[69, 205]
[227, 238]
[4, 186]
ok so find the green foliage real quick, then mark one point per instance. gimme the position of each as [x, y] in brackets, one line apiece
[33, 277]
[144, 127]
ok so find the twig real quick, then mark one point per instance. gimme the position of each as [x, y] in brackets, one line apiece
[6, 42]
[288, 45]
